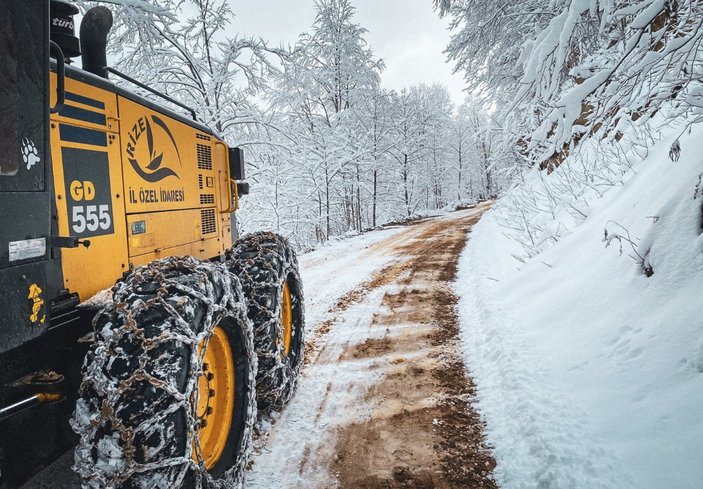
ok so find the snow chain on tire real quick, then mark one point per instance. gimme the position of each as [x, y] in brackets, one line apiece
[136, 415]
[264, 261]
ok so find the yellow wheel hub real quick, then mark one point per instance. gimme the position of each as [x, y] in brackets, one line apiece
[216, 397]
[287, 318]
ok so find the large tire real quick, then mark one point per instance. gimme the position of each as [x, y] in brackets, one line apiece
[139, 416]
[265, 262]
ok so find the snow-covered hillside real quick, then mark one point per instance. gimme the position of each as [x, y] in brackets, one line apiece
[590, 373]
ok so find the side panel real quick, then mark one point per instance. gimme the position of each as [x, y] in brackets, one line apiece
[162, 159]
[88, 183]
[172, 180]
[155, 230]
[28, 278]
[24, 302]
[225, 196]
[137, 184]
[24, 59]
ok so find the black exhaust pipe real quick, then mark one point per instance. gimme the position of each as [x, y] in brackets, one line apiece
[95, 27]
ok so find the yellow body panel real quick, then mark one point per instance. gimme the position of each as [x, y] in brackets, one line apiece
[210, 248]
[171, 233]
[163, 160]
[161, 226]
[136, 183]
[88, 270]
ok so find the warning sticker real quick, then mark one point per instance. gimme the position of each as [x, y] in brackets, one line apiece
[35, 295]
[28, 248]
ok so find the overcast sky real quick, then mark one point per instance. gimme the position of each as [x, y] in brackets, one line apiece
[407, 34]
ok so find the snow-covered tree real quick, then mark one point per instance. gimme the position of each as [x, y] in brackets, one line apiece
[409, 132]
[438, 171]
[326, 79]
[589, 82]
[577, 68]
[186, 49]
[375, 116]
[640, 56]
[488, 36]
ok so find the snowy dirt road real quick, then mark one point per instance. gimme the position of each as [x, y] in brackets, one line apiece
[384, 400]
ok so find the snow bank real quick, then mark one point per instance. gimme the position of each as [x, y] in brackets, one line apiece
[589, 373]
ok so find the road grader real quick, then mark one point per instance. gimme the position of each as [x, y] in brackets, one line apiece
[135, 325]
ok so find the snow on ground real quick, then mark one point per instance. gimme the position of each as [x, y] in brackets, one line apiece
[332, 270]
[329, 393]
[590, 374]
[297, 449]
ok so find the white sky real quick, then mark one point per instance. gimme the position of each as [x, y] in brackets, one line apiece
[407, 34]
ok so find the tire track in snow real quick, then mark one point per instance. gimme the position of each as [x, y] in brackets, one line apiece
[385, 361]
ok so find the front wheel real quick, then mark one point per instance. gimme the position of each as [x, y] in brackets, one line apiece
[267, 266]
[168, 397]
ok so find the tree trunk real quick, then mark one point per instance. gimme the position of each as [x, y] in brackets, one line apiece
[358, 198]
[328, 226]
[318, 229]
[461, 171]
[348, 205]
[375, 196]
[405, 183]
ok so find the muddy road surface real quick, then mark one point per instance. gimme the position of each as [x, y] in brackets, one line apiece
[384, 400]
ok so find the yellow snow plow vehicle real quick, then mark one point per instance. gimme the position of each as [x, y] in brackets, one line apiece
[134, 325]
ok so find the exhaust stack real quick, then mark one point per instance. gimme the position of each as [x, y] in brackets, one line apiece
[95, 27]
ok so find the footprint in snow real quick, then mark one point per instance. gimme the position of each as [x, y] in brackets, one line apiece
[621, 343]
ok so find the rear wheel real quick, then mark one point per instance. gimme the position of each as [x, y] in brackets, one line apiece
[168, 397]
[268, 269]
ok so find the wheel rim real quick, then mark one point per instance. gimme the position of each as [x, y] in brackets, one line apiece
[216, 397]
[287, 318]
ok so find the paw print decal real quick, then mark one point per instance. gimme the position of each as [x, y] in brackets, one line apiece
[30, 155]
